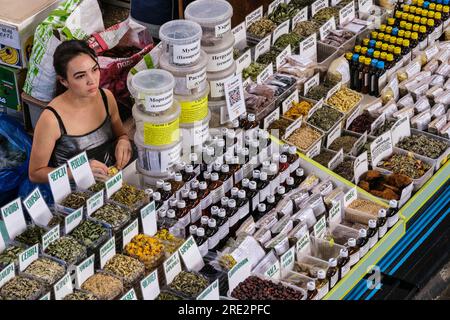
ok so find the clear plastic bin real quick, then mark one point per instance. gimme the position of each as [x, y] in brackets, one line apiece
[308, 265]
[296, 279]
[340, 234]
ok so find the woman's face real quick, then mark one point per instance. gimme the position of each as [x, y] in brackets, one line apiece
[83, 76]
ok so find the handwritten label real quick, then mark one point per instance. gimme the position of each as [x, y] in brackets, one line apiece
[239, 273]
[73, 220]
[83, 271]
[336, 214]
[234, 96]
[37, 208]
[287, 104]
[130, 295]
[243, 61]
[240, 33]
[313, 110]
[28, 257]
[347, 14]
[274, 271]
[50, 237]
[333, 90]
[281, 58]
[355, 114]
[360, 166]
[172, 267]
[359, 144]
[191, 256]
[63, 287]
[334, 134]
[378, 122]
[148, 218]
[13, 218]
[318, 5]
[320, 228]
[287, 261]
[265, 74]
[273, 5]
[294, 126]
[303, 245]
[350, 196]
[130, 232]
[314, 150]
[381, 148]
[262, 47]
[211, 292]
[95, 202]
[253, 17]
[9, 37]
[365, 5]
[150, 286]
[114, 184]
[274, 115]
[400, 130]
[81, 171]
[325, 30]
[107, 251]
[299, 17]
[308, 47]
[280, 30]
[7, 274]
[312, 82]
[336, 160]
[59, 183]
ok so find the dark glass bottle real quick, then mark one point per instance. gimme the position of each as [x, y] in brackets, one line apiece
[167, 192]
[260, 212]
[178, 182]
[243, 120]
[215, 187]
[332, 273]
[189, 173]
[353, 251]
[299, 176]
[202, 241]
[289, 184]
[193, 231]
[251, 122]
[253, 195]
[211, 233]
[157, 198]
[372, 75]
[243, 203]
[343, 263]
[270, 203]
[184, 194]
[382, 223]
[312, 292]
[233, 216]
[322, 283]
[392, 213]
[363, 243]
[359, 82]
[372, 233]
[204, 196]
[222, 224]
[366, 76]
[281, 191]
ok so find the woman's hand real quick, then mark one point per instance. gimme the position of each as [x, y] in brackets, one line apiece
[99, 169]
[123, 152]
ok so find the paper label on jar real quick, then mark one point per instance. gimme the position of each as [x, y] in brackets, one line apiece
[233, 219]
[95, 202]
[360, 166]
[84, 270]
[244, 210]
[314, 150]
[318, 5]
[312, 82]
[281, 58]
[59, 183]
[325, 30]
[81, 171]
[28, 257]
[345, 269]
[354, 258]
[303, 246]
[213, 241]
[274, 271]
[295, 165]
[263, 46]
[50, 236]
[217, 87]
[114, 184]
[196, 213]
[381, 148]
[217, 194]
[239, 273]
[240, 33]
[224, 230]
[194, 80]
[172, 267]
[382, 230]
[322, 292]
[265, 74]
[301, 16]
[223, 28]
[107, 251]
[253, 16]
[280, 30]
[271, 117]
[400, 130]
[378, 122]
[220, 61]
[239, 175]
[273, 5]
[365, 5]
[73, 220]
[308, 47]
[333, 90]
[63, 287]
[211, 292]
[228, 184]
[287, 104]
[347, 14]
[187, 53]
[243, 61]
[37, 208]
[412, 69]
[334, 134]
[255, 202]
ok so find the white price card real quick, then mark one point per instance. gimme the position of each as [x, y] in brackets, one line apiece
[303, 245]
[280, 30]
[45, 297]
[310, 83]
[37, 208]
[314, 150]
[211, 292]
[263, 46]
[234, 94]
[239, 273]
[150, 286]
[336, 214]
[2, 243]
[318, 5]
[299, 17]
[240, 33]
[400, 130]
[243, 61]
[172, 267]
[350, 196]
[114, 184]
[7, 274]
[50, 236]
[81, 171]
[347, 14]
[83, 271]
[327, 27]
[95, 202]
[334, 134]
[130, 232]
[281, 58]
[73, 220]
[287, 261]
[130, 295]
[59, 183]
[274, 271]
[107, 251]
[365, 5]
[148, 218]
[190, 254]
[381, 148]
[308, 47]
[265, 74]
[271, 117]
[63, 287]
[13, 218]
[361, 166]
[320, 228]
[287, 104]
[253, 16]
[273, 5]
[28, 257]
[9, 37]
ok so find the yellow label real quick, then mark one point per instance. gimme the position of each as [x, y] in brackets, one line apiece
[192, 111]
[161, 134]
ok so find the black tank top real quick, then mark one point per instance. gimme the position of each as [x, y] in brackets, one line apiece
[98, 144]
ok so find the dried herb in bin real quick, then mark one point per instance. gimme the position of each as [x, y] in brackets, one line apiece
[280, 125]
[320, 91]
[388, 187]
[104, 286]
[88, 232]
[97, 187]
[345, 169]
[168, 296]
[56, 220]
[113, 215]
[80, 295]
[362, 123]
[31, 236]
[343, 142]
[253, 70]
[324, 157]
[344, 100]
[127, 268]
[46, 270]
[75, 200]
[269, 57]
[148, 250]
[383, 128]
[129, 196]
[254, 288]
[189, 284]
[325, 14]
[421, 144]
[298, 109]
[405, 164]
[306, 28]
[292, 39]
[66, 249]
[366, 206]
[10, 255]
[262, 28]
[304, 137]
[21, 288]
[325, 118]
[171, 243]
[283, 12]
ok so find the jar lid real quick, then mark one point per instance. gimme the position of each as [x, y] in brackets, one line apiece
[153, 82]
[180, 32]
[209, 12]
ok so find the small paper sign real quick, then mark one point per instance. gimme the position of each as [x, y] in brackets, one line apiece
[9, 37]
[273, 5]
[243, 61]
[314, 150]
[381, 148]
[191, 256]
[148, 218]
[336, 160]
[274, 271]
[280, 30]
[81, 171]
[287, 104]
[234, 94]
[303, 245]
[150, 286]
[73, 220]
[130, 232]
[347, 14]
[114, 184]
[301, 16]
[13, 218]
[360, 166]
[271, 117]
[312, 82]
[253, 17]
[7, 274]
[320, 228]
[95, 202]
[59, 183]
[50, 237]
[350, 196]
[308, 47]
[172, 267]
[83, 271]
[287, 261]
[238, 273]
[63, 287]
[263, 46]
[45, 297]
[281, 58]
[318, 5]
[294, 126]
[107, 251]
[336, 214]
[355, 114]
[240, 33]
[400, 130]
[359, 144]
[378, 122]
[130, 295]
[325, 30]
[365, 5]
[334, 134]
[265, 74]
[37, 208]
[211, 292]
[28, 257]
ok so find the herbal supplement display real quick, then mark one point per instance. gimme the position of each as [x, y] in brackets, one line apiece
[306, 28]
[46, 270]
[304, 137]
[365, 206]
[298, 109]
[325, 118]
[343, 142]
[383, 128]
[148, 250]
[405, 164]
[21, 288]
[129, 196]
[10, 255]
[88, 232]
[75, 200]
[80, 295]
[345, 169]
[362, 123]
[268, 57]
[325, 14]
[171, 243]
[388, 187]
[280, 125]
[127, 268]
[31, 236]
[344, 100]
[66, 249]
[113, 215]
[283, 12]
[254, 288]
[292, 39]
[104, 286]
[423, 145]
[189, 284]
[56, 220]
[262, 28]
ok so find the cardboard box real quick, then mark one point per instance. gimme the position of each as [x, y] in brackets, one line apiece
[11, 83]
[18, 21]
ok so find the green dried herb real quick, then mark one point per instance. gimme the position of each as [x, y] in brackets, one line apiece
[281, 125]
[129, 196]
[168, 296]
[320, 91]
[128, 268]
[88, 232]
[324, 157]
[113, 215]
[253, 70]
[421, 144]
[31, 236]
[56, 220]
[405, 164]
[46, 270]
[97, 187]
[21, 288]
[189, 283]
[283, 12]
[292, 39]
[325, 118]
[345, 170]
[80, 295]
[75, 200]
[343, 142]
[10, 255]
[269, 57]
[262, 28]
[306, 28]
[325, 14]
[67, 249]
[383, 128]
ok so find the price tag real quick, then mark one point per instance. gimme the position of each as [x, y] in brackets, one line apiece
[335, 2]
[378, 122]
[63, 287]
[2, 243]
[240, 33]
[303, 245]
[359, 144]
[320, 228]
[347, 14]
[28, 257]
[243, 61]
[81, 171]
[234, 94]
[95, 202]
[294, 126]
[45, 297]
[253, 17]
[172, 267]
[326, 28]
[274, 115]
[301, 16]
[274, 271]
[350, 196]
[150, 286]
[400, 130]
[12, 215]
[314, 150]
[308, 47]
[381, 148]
[336, 160]
[355, 114]
[315, 108]
[148, 218]
[360, 166]
[130, 232]
[37, 208]
[365, 5]
[265, 74]
[333, 90]
[239, 273]
[191, 256]
[83, 271]
[114, 184]
[130, 295]
[107, 251]
[316, 6]
[281, 58]
[7, 274]
[280, 30]
[287, 104]
[9, 37]
[211, 292]
[287, 261]
[73, 220]
[312, 82]
[59, 183]
[50, 237]
[336, 214]
[262, 47]
[334, 134]
[273, 5]
[406, 194]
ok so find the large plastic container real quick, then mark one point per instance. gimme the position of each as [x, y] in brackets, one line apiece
[181, 41]
[214, 16]
[194, 108]
[217, 110]
[196, 133]
[220, 56]
[154, 90]
[188, 79]
[216, 82]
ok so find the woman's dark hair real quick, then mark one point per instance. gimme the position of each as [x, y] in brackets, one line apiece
[64, 53]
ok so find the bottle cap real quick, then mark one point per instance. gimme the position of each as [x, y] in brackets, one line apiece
[423, 29]
[378, 44]
[263, 176]
[405, 43]
[398, 14]
[393, 40]
[212, 223]
[410, 17]
[261, 207]
[173, 203]
[184, 193]
[424, 13]
[171, 213]
[438, 16]
[430, 22]
[384, 47]
[361, 59]
[321, 274]
[432, 6]
[393, 204]
[311, 286]
[416, 28]
[387, 38]
[181, 204]
[217, 166]
[383, 55]
[414, 36]
[281, 190]
[234, 191]
[399, 41]
[394, 31]
[398, 50]
[283, 158]
[180, 166]
[214, 176]
[405, 16]
[200, 232]
[388, 30]
[374, 34]
[222, 213]
[332, 262]
[382, 27]
[193, 157]
[406, 8]
[343, 253]
[273, 169]
[299, 172]
[382, 213]
[203, 185]
[374, 63]
[355, 57]
[167, 186]
[252, 185]
[162, 213]
[439, 7]
[235, 123]
[363, 50]
[390, 57]
[214, 210]
[193, 230]
[391, 48]
[408, 26]
[225, 168]
[156, 196]
[416, 19]
[189, 168]
[351, 242]
[362, 233]
[445, 8]
[159, 184]
[372, 223]
[426, 4]
[370, 52]
[251, 117]
[367, 61]
[245, 182]
[256, 174]
[194, 184]
[224, 201]
[402, 24]
[376, 54]
[349, 56]
[271, 199]
[401, 33]
[242, 194]
[192, 195]
[391, 21]
[407, 34]
[232, 203]
[290, 181]
[366, 42]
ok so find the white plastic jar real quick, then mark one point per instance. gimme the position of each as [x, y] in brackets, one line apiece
[194, 107]
[181, 41]
[220, 56]
[195, 134]
[217, 80]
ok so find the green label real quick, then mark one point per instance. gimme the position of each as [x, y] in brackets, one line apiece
[130, 295]
[320, 227]
[45, 297]
[77, 162]
[63, 287]
[114, 184]
[239, 273]
[9, 92]
[73, 220]
[172, 267]
[28, 257]
[107, 251]
[186, 246]
[287, 259]
[274, 271]
[32, 199]
[211, 292]
[95, 202]
[150, 286]
[7, 274]
[58, 174]
[10, 209]
[84, 270]
[302, 244]
[50, 236]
